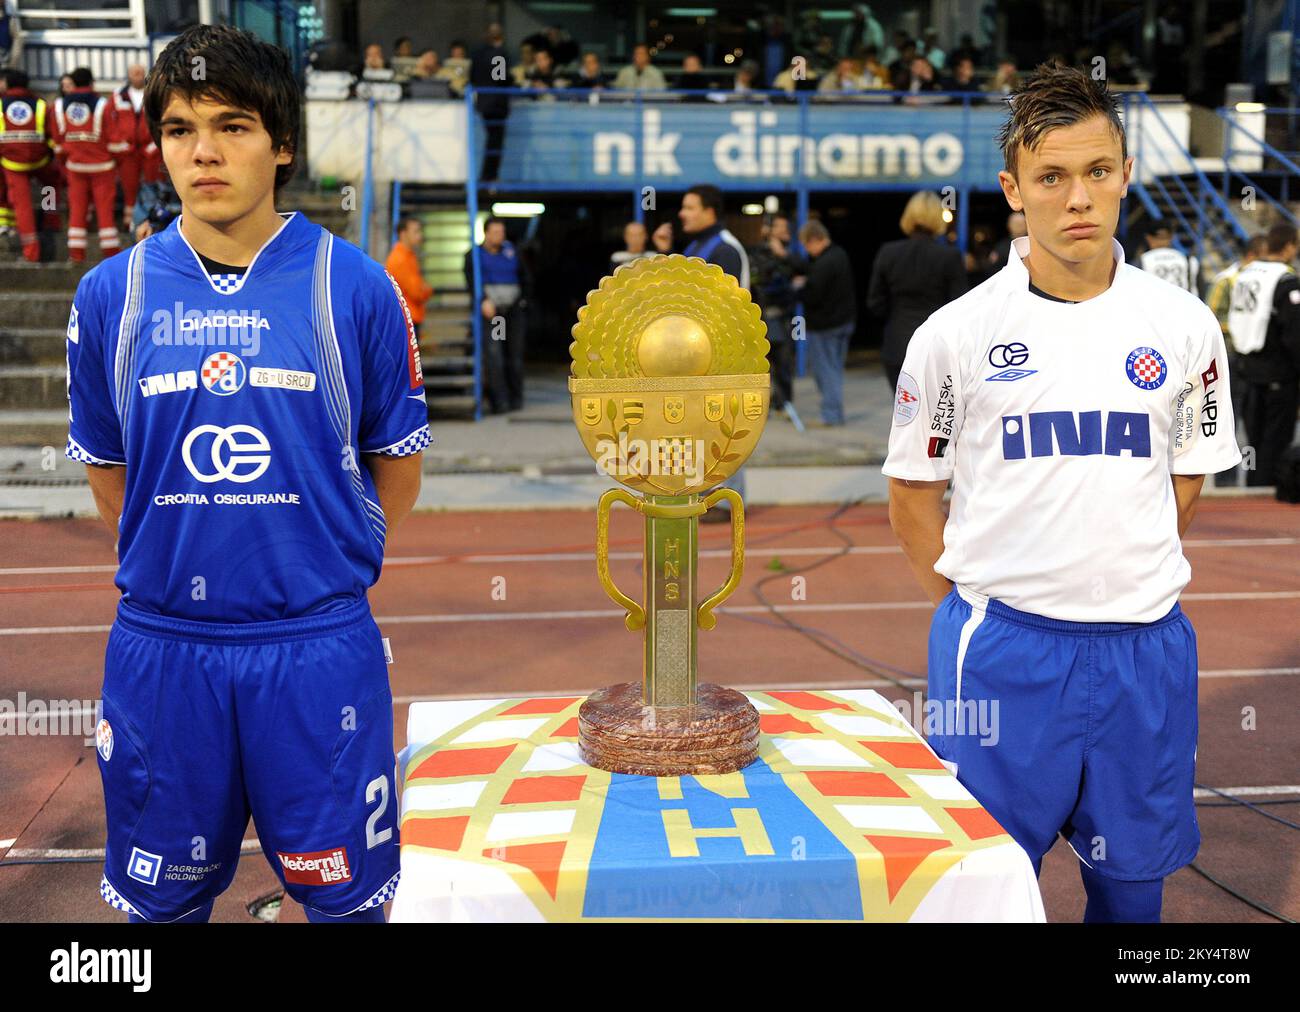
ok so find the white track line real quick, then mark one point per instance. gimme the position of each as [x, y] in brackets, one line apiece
[1247, 792]
[711, 553]
[606, 613]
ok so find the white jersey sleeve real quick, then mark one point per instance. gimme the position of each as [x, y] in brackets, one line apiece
[1204, 437]
[928, 408]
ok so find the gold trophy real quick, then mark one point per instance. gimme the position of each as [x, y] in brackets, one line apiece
[670, 394]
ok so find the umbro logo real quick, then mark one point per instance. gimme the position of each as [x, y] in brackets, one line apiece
[1009, 375]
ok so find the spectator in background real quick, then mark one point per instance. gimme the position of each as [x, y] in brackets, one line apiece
[692, 78]
[772, 270]
[1219, 300]
[920, 77]
[520, 71]
[962, 77]
[7, 26]
[1016, 228]
[894, 50]
[591, 75]
[1006, 79]
[557, 42]
[823, 57]
[635, 239]
[403, 47]
[746, 78]
[875, 72]
[66, 87]
[862, 30]
[374, 67]
[776, 51]
[900, 70]
[541, 76]
[913, 277]
[457, 66]
[967, 49]
[829, 309]
[504, 324]
[403, 264]
[1266, 335]
[488, 70]
[844, 79]
[427, 65]
[930, 48]
[640, 74]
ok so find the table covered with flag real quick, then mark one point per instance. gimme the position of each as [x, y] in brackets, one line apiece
[846, 815]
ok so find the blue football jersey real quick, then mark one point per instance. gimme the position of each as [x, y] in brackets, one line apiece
[241, 406]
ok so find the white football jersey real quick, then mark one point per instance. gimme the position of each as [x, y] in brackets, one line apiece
[1060, 424]
[1170, 265]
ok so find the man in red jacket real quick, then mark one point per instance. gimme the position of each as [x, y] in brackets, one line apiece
[127, 148]
[25, 153]
[85, 124]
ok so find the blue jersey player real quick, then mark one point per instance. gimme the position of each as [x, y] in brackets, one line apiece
[245, 389]
[1076, 403]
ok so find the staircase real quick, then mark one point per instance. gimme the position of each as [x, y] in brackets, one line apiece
[446, 346]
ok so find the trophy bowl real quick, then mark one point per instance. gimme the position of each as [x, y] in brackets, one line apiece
[670, 395]
[670, 382]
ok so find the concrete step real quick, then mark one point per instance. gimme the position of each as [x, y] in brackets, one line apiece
[446, 363]
[34, 428]
[24, 387]
[34, 310]
[32, 345]
[452, 405]
[21, 276]
[434, 384]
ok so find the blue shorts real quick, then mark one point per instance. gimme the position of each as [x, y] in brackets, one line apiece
[1086, 729]
[204, 724]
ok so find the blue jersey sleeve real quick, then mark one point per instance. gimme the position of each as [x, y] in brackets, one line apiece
[394, 414]
[94, 429]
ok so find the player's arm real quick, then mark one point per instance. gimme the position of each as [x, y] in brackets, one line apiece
[929, 411]
[397, 483]
[1187, 489]
[108, 486]
[94, 430]
[394, 427]
[917, 516]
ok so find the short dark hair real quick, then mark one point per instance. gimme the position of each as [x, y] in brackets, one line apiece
[240, 70]
[710, 196]
[1280, 236]
[15, 78]
[406, 221]
[492, 219]
[1255, 245]
[1055, 96]
[82, 77]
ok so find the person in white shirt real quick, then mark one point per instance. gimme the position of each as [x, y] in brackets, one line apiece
[1076, 403]
[1169, 263]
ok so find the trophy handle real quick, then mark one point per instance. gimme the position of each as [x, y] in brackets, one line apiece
[707, 619]
[635, 618]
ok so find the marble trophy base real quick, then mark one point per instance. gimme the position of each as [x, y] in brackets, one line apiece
[619, 733]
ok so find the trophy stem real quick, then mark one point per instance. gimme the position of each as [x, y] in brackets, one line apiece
[671, 592]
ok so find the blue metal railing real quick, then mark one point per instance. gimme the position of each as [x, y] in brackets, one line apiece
[1287, 167]
[1206, 228]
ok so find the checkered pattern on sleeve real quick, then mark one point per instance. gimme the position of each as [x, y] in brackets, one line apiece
[75, 451]
[413, 443]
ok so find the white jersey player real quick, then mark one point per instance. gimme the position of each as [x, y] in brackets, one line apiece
[1076, 404]
[1170, 264]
